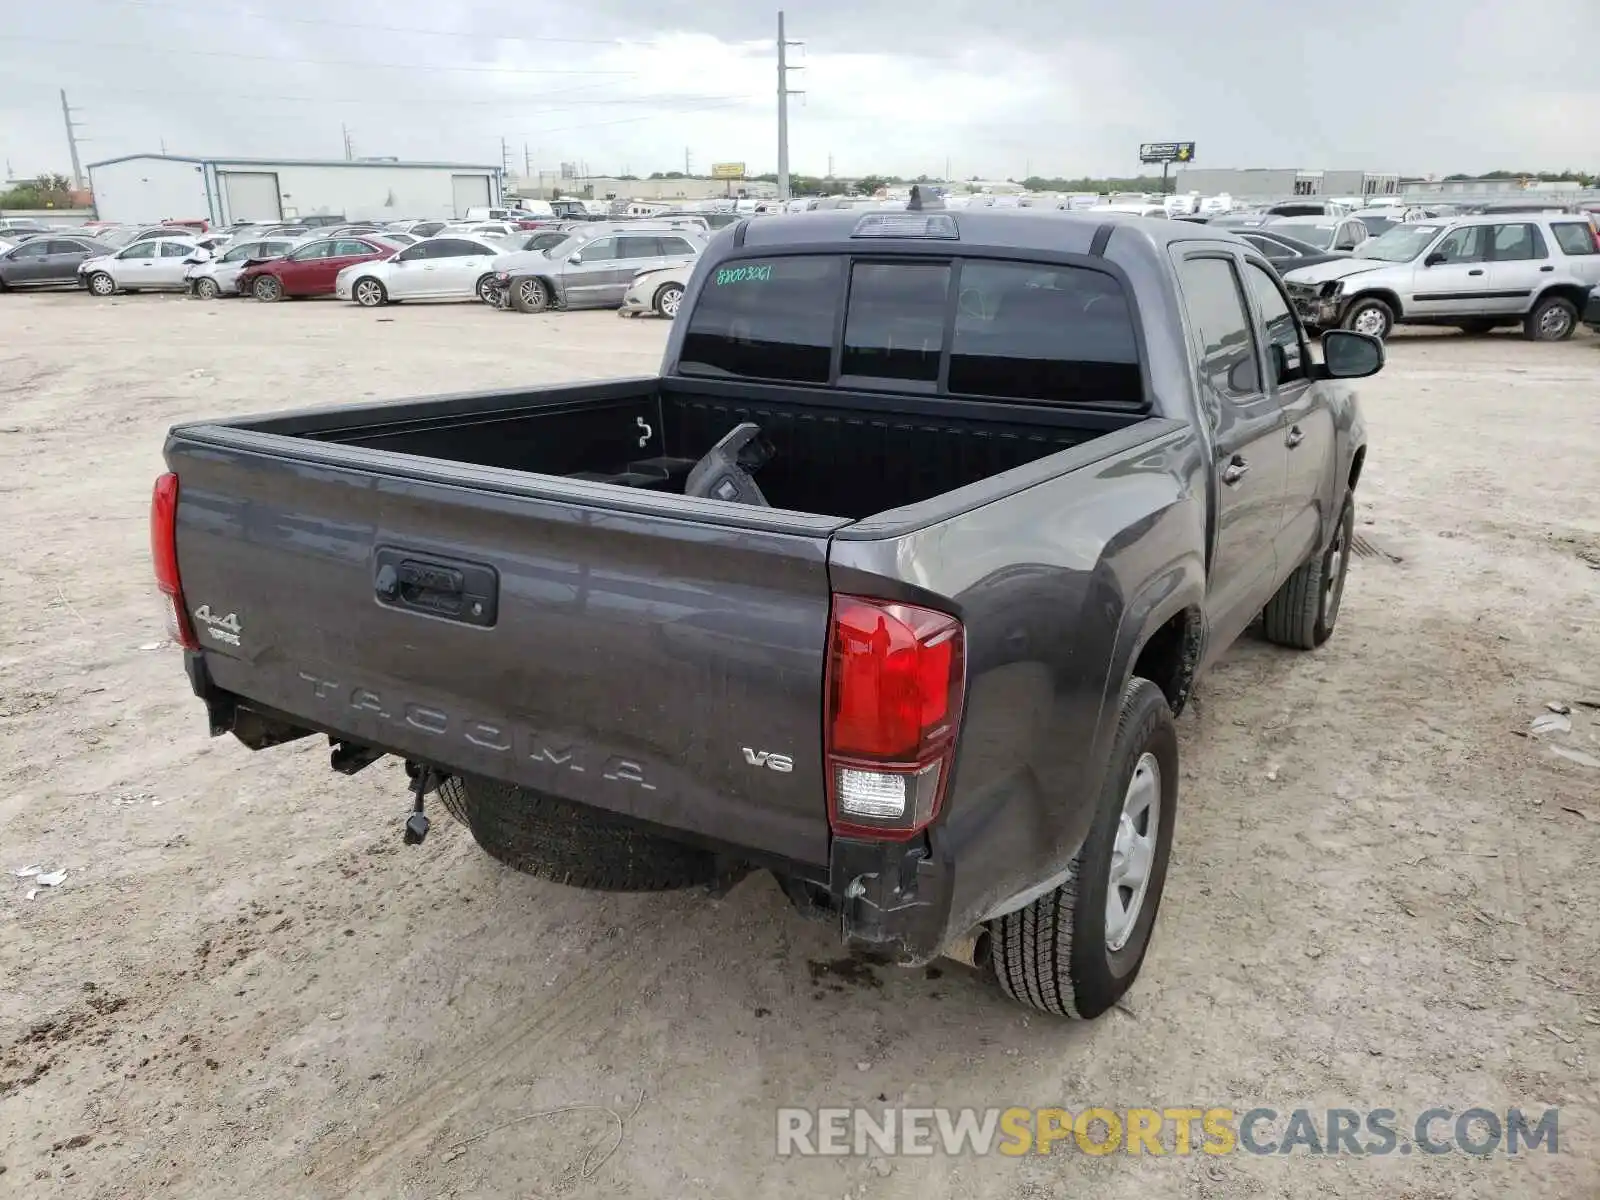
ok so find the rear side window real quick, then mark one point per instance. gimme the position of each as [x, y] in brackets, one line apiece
[1518, 242]
[1575, 237]
[766, 319]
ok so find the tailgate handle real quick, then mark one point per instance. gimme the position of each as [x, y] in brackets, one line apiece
[457, 591]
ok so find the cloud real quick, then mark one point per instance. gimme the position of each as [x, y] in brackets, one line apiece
[1068, 87]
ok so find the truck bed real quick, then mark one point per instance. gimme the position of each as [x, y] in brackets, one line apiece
[846, 455]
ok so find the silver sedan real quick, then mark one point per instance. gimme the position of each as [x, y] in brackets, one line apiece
[448, 267]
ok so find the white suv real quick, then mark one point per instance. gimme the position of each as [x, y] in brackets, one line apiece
[1535, 270]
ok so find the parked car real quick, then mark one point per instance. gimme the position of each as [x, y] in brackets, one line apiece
[1591, 313]
[1378, 220]
[659, 290]
[1476, 273]
[10, 226]
[322, 220]
[1307, 208]
[283, 231]
[400, 239]
[311, 268]
[47, 261]
[217, 275]
[155, 264]
[891, 589]
[1326, 233]
[419, 229]
[1284, 252]
[591, 269]
[447, 267]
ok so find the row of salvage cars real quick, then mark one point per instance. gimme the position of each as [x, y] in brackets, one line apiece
[634, 265]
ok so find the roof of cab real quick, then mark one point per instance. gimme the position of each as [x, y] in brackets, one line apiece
[1052, 231]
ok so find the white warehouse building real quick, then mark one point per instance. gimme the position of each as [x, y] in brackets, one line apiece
[140, 188]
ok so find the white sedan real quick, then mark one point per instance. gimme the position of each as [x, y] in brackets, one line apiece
[447, 267]
[154, 265]
[659, 291]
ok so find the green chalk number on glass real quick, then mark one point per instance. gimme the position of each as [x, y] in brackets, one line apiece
[757, 274]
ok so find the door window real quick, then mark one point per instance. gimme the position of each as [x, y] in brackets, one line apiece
[1574, 237]
[455, 248]
[1465, 245]
[142, 250]
[30, 250]
[676, 247]
[1220, 326]
[67, 248]
[599, 250]
[414, 253]
[351, 248]
[636, 247]
[1518, 243]
[1283, 331]
[175, 250]
[312, 252]
[240, 253]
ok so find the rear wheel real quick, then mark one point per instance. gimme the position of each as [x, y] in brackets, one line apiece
[1075, 950]
[668, 299]
[553, 839]
[268, 288]
[1552, 320]
[206, 289]
[530, 295]
[101, 284]
[1305, 609]
[369, 293]
[485, 289]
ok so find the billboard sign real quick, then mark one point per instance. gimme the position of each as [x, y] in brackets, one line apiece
[1166, 152]
[727, 170]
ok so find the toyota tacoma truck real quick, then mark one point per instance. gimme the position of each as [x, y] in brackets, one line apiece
[891, 583]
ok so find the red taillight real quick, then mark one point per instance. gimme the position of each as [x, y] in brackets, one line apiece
[164, 556]
[896, 673]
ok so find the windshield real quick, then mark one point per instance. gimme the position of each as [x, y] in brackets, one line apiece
[1401, 244]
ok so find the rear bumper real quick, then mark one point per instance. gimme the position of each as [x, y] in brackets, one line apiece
[889, 898]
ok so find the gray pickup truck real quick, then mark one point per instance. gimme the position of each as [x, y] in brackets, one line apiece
[891, 583]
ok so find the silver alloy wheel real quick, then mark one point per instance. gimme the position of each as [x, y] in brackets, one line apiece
[486, 289]
[1554, 323]
[1333, 578]
[206, 289]
[671, 297]
[102, 284]
[1370, 321]
[532, 291]
[369, 293]
[1133, 852]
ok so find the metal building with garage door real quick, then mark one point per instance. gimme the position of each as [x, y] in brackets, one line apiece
[140, 188]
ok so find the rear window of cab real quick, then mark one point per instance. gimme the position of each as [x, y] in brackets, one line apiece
[964, 327]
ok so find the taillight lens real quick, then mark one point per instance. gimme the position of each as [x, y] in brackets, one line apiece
[164, 556]
[896, 674]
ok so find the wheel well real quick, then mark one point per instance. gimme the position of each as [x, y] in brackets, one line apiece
[1389, 298]
[1170, 657]
[1355, 467]
[671, 283]
[1565, 291]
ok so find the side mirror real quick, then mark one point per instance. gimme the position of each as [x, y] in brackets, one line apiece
[1350, 355]
[1433, 260]
[575, 259]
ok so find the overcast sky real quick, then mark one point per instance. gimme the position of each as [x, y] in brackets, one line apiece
[995, 88]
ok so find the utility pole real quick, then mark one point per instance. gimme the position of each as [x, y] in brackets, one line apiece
[830, 164]
[527, 161]
[72, 140]
[947, 168]
[688, 162]
[784, 92]
[349, 151]
[505, 158]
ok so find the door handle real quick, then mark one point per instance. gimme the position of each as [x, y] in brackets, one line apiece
[1547, 267]
[1296, 436]
[1476, 271]
[1234, 471]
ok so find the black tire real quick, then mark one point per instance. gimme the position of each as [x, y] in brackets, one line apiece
[1306, 608]
[267, 288]
[369, 292]
[1054, 955]
[1369, 316]
[483, 289]
[1553, 319]
[530, 295]
[206, 289]
[101, 284]
[667, 300]
[553, 839]
[1480, 325]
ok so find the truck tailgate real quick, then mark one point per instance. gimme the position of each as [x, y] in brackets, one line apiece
[653, 663]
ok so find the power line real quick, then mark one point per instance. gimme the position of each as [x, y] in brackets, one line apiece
[313, 62]
[506, 102]
[277, 18]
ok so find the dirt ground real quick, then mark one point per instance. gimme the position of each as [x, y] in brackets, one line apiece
[1383, 891]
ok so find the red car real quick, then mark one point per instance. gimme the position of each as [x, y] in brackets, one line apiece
[310, 269]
